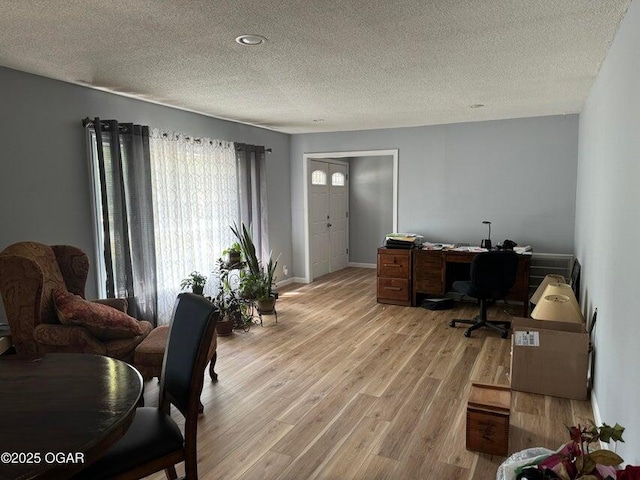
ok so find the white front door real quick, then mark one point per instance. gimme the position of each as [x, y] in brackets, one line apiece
[319, 217]
[328, 216]
[338, 216]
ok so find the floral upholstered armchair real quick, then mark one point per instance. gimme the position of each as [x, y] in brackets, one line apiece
[33, 277]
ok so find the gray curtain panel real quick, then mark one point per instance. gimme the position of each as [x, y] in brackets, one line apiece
[127, 214]
[253, 193]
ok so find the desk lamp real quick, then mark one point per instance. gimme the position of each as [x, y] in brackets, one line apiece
[486, 243]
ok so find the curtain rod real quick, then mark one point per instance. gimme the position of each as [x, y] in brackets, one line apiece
[87, 122]
[267, 150]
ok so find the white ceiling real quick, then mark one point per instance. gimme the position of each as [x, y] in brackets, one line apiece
[357, 64]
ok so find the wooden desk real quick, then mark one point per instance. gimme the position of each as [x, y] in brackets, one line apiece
[63, 402]
[434, 271]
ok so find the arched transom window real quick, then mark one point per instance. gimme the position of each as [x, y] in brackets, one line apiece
[318, 177]
[337, 179]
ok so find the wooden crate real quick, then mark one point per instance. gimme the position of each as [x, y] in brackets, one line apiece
[488, 411]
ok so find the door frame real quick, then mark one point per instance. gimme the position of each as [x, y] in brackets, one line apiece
[325, 156]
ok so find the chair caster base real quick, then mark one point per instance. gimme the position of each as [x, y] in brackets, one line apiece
[452, 323]
[467, 334]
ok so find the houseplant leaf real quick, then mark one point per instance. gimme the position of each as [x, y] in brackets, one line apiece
[248, 247]
[588, 464]
[605, 457]
[616, 436]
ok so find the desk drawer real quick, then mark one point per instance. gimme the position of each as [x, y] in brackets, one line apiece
[428, 272]
[432, 285]
[396, 289]
[459, 257]
[428, 260]
[394, 265]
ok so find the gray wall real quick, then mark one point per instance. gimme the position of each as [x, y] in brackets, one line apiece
[44, 175]
[520, 174]
[608, 229]
[370, 205]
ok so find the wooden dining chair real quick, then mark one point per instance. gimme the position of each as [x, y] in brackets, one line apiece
[154, 441]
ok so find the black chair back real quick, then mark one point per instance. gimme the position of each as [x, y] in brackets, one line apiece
[190, 337]
[494, 272]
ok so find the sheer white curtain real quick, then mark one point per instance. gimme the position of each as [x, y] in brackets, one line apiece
[195, 200]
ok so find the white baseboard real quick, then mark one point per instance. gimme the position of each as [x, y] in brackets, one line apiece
[362, 265]
[284, 282]
[597, 418]
[298, 280]
[596, 409]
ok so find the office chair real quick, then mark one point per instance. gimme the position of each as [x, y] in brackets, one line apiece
[493, 274]
[154, 441]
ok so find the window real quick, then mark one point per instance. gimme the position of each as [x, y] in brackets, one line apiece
[167, 212]
[337, 179]
[168, 201]
[318, 177]
[195, 200]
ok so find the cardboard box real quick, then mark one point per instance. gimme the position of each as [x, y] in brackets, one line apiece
[549, 358]
[488, 411]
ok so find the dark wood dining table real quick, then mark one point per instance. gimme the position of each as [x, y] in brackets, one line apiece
[59, 412]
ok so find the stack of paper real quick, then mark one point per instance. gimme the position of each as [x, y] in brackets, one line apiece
[402, 240]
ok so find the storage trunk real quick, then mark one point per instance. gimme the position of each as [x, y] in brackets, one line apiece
[488, 411]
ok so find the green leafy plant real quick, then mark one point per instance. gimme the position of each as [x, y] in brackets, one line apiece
[233, 253]
[235, 247]
[270, 276]
[251, 286]
[247, 247]
[227, 300]
[259, 281]
[196, 281]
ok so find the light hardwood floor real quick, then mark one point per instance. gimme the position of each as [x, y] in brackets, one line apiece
[345, 388]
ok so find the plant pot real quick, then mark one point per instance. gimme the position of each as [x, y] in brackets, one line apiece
[233, 258]
[266, 305]
[224, 327]
[197, 289]
[236, 319]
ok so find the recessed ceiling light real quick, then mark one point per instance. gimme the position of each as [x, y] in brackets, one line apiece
[251, 40]
[318, 120]
[477, 105]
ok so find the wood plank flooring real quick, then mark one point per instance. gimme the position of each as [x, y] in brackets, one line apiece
[345, 388]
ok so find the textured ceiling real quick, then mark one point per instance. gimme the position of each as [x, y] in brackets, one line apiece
[357, 64]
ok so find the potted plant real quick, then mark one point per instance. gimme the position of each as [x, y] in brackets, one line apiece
[230, 311]
[196, 281]
[580, 459]
[229, 303]
[259, 280]
[233, 254]
[266, 300]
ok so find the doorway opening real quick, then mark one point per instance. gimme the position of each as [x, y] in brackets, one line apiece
[319, 230]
